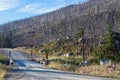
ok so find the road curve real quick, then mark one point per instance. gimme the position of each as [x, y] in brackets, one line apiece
[25, 69]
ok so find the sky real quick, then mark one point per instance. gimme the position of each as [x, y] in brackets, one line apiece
[11, 10]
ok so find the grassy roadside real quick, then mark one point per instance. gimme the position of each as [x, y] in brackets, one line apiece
[3, 60]
[71, 64]
[102, 71]
[92, 70]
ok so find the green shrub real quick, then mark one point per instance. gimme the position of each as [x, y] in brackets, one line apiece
[3, 59]
[2, 66]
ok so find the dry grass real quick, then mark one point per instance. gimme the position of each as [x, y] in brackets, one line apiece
[3, 68]
[2, 71]
[60, 66]
[55, 65]
[2, 74]
[97, 70]
[93, 70]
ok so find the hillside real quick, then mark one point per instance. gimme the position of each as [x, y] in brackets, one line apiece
[91, 16]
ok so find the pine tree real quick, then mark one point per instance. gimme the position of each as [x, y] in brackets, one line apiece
[111, 51]
[110, 47]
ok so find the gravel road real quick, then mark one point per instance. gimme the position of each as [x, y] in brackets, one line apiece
[25, 69]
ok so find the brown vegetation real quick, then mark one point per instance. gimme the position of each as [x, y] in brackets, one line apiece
[2, 74]
[97, 70]
[3, 59]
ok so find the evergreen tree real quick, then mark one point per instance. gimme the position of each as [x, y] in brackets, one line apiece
[110, 47]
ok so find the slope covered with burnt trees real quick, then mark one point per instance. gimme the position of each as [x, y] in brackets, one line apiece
[91, 16]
